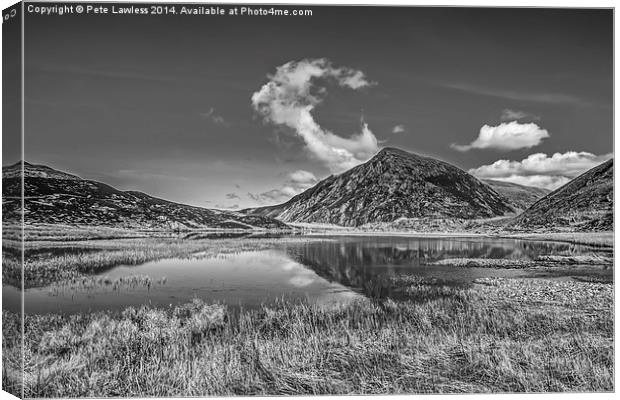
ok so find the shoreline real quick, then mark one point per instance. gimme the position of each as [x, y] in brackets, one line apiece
[433, 322]
[399, 234]
[563, 237]
[603, 239]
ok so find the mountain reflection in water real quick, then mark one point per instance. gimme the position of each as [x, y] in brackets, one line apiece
[364, 263]
[333, 270]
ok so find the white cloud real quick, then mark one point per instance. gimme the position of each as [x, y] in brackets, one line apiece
[506, 136]
[302, 177]
[226, 207]
[515, 115]
[291, 95]
[296, 183]
[398, 129]
[273, 196]
[541, 170]
[541, 181]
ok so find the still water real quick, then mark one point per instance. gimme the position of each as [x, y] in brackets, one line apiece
[333, 270]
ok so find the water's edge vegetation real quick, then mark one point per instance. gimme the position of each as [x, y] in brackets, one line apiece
[439, 339]
[496, 335]
[86, 251]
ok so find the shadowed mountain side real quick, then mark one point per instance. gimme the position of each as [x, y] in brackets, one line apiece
[55, 197]
[520, 196]
[583, 204]
[392, 185]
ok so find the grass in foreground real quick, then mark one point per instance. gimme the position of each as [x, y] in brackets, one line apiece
[439, 339]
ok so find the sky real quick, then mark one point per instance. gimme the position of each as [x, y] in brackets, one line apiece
[240, 111]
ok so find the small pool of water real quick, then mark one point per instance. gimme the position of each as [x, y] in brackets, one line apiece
[330, 271]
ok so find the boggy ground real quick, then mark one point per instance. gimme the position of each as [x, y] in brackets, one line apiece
[72, 253]
[62, 253]
[499, 335]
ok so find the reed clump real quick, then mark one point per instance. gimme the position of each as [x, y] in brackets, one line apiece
[443, 339]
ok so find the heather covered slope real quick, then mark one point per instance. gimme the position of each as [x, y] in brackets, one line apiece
[583, 204]
[56, 197]
[520, 196]
[393, 184]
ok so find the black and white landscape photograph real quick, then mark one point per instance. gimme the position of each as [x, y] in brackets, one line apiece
[223, 200]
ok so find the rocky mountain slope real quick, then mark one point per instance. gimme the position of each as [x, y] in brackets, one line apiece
[56, 197]
[393, 184]
[583, 204]
[519, 196]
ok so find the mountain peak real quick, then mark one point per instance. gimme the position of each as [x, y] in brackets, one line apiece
[394, 151]
[18, 164]
[391, 150]
[406, 156]
[56, 197]
[583, 204]
[391, 185]
[35, 171]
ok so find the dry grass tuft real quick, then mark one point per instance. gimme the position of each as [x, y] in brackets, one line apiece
[458, 340]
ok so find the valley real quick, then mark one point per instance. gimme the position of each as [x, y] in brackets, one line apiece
[358, 267]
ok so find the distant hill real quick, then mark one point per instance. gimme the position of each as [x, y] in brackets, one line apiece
[520, 197]
[53, 196]
[583, 204]
[393, 184]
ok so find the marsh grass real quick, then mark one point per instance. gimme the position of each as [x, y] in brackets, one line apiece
[94, 283]
[582, 259]
[594, 239]
[53, 261]
[457, 340]
[411, 335]
[604, 261]
[12, 376]
[68, 233]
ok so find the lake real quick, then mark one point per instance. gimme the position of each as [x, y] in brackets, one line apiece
[330, 271]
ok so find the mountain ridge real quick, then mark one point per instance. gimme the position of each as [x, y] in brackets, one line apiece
[583, 204]
[520, 196]
[52, 196]
[392, 184]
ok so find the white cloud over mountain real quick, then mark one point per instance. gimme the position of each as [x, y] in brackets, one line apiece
[291, 95]
[541, 170]
[296, 183]
[541, 181]
[506, 136]
[398, 129]
[302, 177]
